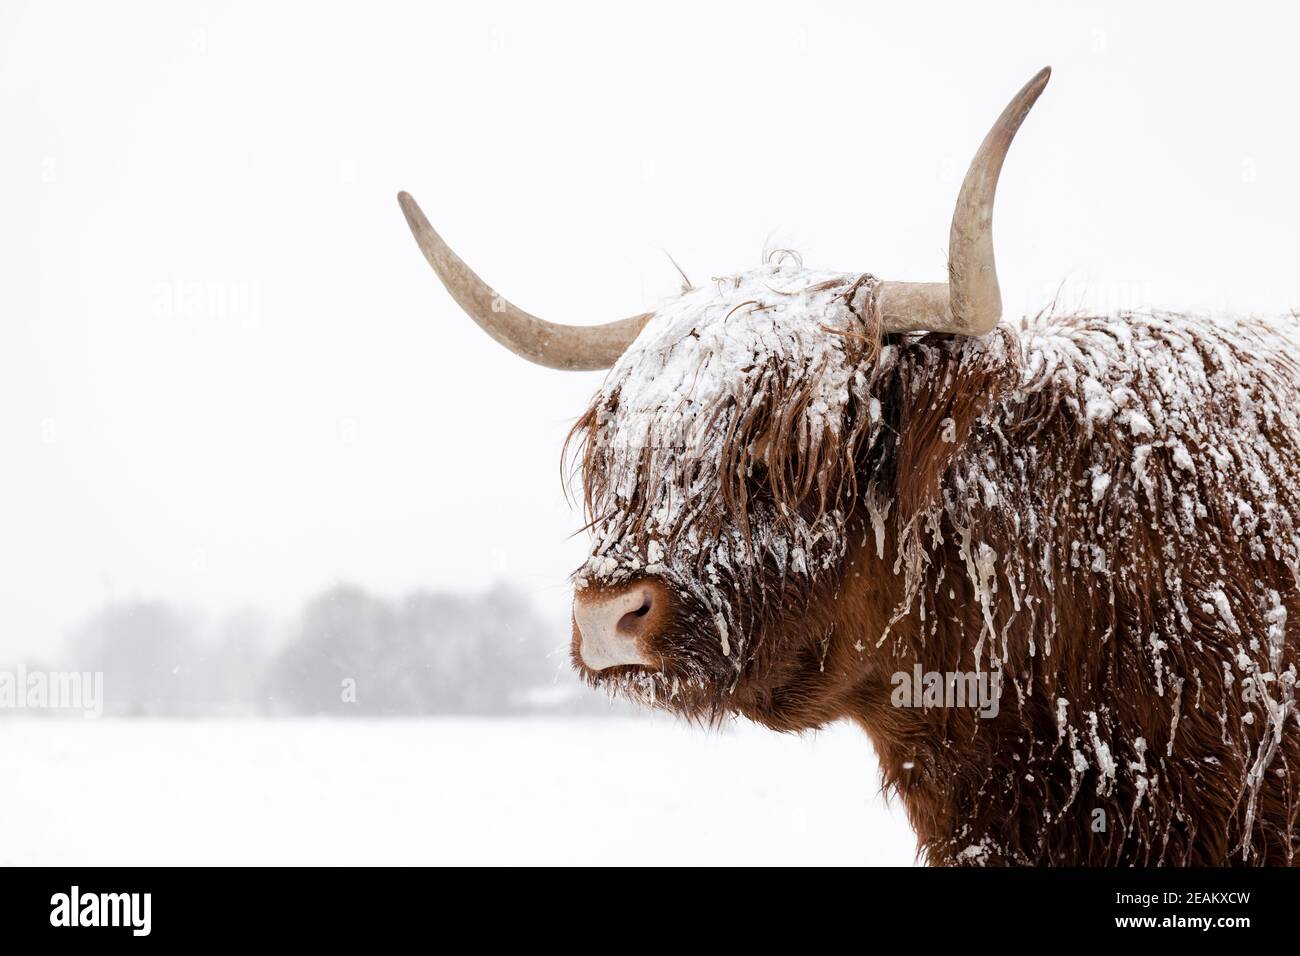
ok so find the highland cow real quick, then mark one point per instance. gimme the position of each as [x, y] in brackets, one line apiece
[803, 485]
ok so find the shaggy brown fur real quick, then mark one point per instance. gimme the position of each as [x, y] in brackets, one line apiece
[1102, 515]
[1123, 639]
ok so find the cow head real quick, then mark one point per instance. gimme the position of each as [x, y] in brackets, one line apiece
[724, 457]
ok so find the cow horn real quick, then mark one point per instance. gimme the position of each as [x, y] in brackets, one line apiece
[576, 348]
[969, 303]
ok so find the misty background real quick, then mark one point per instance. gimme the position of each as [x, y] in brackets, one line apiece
[346, 653]
[250, 448]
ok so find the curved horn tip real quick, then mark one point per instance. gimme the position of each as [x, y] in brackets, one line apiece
[568, 347]
[410, 208]
[1038, 83]
[1023, 101]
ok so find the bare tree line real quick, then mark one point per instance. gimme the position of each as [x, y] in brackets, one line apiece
[348, 653]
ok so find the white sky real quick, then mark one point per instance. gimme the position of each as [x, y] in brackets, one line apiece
[227, 376]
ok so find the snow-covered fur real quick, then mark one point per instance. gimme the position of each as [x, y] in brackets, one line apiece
[1099, 511]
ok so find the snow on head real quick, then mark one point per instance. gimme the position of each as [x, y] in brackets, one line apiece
[719, 438]
[719, 454]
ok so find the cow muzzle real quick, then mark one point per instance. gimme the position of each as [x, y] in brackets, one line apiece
[615, 626]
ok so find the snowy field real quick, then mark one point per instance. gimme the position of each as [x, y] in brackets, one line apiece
[439, 791]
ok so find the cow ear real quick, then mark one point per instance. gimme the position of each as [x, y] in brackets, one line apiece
[946, 385]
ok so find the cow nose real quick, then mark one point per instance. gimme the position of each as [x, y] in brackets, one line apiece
[613, 626]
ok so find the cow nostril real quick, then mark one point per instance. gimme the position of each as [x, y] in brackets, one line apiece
[633, 621]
